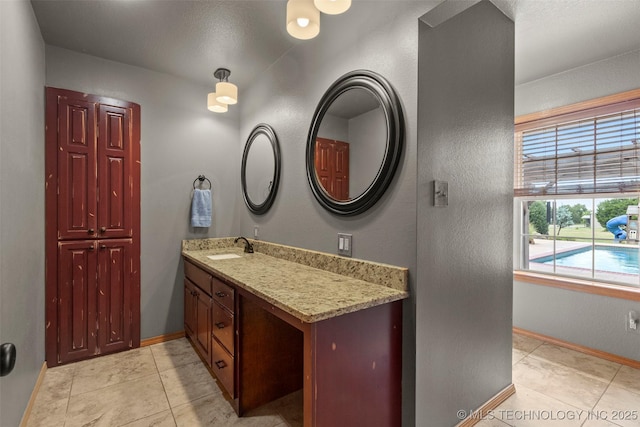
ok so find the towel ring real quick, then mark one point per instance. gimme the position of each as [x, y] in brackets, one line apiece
[201, 178]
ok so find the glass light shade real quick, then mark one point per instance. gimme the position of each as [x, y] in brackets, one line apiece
[332, 7]
[214, 105]
[227, 93]
[303, 19]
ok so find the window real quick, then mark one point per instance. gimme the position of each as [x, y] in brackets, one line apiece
[576, 185]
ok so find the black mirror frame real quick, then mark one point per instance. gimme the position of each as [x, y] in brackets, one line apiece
[266, 130]
[392, 108]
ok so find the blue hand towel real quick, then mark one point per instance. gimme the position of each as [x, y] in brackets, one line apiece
[201, 208]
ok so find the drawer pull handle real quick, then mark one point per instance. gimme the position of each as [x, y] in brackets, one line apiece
[221, 294]
[220, 325]
[221, 364]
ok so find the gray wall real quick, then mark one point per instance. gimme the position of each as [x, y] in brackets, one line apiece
[464, 283]
[22, 59]
[285, 96]
[590, 320]
[180, 140]
[367, 136]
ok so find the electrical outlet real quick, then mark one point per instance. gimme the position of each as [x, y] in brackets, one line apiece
[632, 322]
[344, 244]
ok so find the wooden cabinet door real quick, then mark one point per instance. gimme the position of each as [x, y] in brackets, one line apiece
[190, 307]
[77, 201]
[115, 186]
[203, 325]
[76, 300]
[115, 271]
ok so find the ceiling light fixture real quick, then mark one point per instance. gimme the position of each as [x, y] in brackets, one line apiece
[303, 19]
[226, 92]
[214, 105]
[332, 7]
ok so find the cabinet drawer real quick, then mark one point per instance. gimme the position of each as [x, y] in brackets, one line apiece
[222, 366]
[222, 327]
[198, 276]
[223, 294]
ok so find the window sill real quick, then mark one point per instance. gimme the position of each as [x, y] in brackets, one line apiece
[578, 285]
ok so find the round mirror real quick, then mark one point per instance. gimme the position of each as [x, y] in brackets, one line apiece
[354, 143]
[260, 172]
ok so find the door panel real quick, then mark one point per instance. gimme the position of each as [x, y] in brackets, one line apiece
[77, 169]
[76, 300]
[114, 294]
[203, 324]
[332, 167]
[190, 308]
[114, 167]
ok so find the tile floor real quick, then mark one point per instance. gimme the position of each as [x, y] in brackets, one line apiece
[161, 385]
[167, 385]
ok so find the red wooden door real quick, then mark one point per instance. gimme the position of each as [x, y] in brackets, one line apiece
[77, 205]
[332, 167]
[114, 172]
[76, 300]
[114, 294]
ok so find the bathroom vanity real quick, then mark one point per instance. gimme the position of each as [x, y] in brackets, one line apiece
[282, 319]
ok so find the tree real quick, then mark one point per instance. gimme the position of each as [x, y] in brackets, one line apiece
[612, 208]
[538, 217]
[563, 217]
[577, 212]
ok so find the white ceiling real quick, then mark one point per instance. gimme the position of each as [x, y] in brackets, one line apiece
[192, 38]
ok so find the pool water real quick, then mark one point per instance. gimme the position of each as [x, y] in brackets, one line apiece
[607, 258]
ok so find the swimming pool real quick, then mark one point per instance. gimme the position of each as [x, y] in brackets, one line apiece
[607, 258]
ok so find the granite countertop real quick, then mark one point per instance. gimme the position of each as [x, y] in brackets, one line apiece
[308, 293]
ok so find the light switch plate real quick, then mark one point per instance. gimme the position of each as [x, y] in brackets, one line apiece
[344, 244]
[440, 193]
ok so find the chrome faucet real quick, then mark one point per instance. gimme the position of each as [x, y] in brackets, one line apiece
[248, 247]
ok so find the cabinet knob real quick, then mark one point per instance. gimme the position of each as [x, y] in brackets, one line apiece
[92, 247]
[103, 229]
[90, 231]
[103, 246]
[221, 364]
[220, 325]
[221, 294]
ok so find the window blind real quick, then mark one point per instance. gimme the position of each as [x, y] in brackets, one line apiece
[587, 152]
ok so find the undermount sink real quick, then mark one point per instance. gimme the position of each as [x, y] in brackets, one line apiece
[223, 256]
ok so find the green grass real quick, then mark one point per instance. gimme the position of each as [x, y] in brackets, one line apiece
[578, 231]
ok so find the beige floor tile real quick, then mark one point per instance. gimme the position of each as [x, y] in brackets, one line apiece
[118, 404]
[595, 422]
[187, 383]
[491, 423]
[163, 419]
[590, 365]
[210, 411]
[290, 408]
[47, 412]
[524, 343]
[620, 406]
[57, 383]
[530, 408]
[560, 382]
[629, 378]
[113, 369]
[517, 355]
[174, 353]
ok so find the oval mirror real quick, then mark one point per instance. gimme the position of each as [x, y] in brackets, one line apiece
[355, 142]
[260, 173]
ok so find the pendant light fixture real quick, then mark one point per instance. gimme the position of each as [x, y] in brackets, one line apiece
[303, 19]
[214, 105]
[332, 7]
[226, 93]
